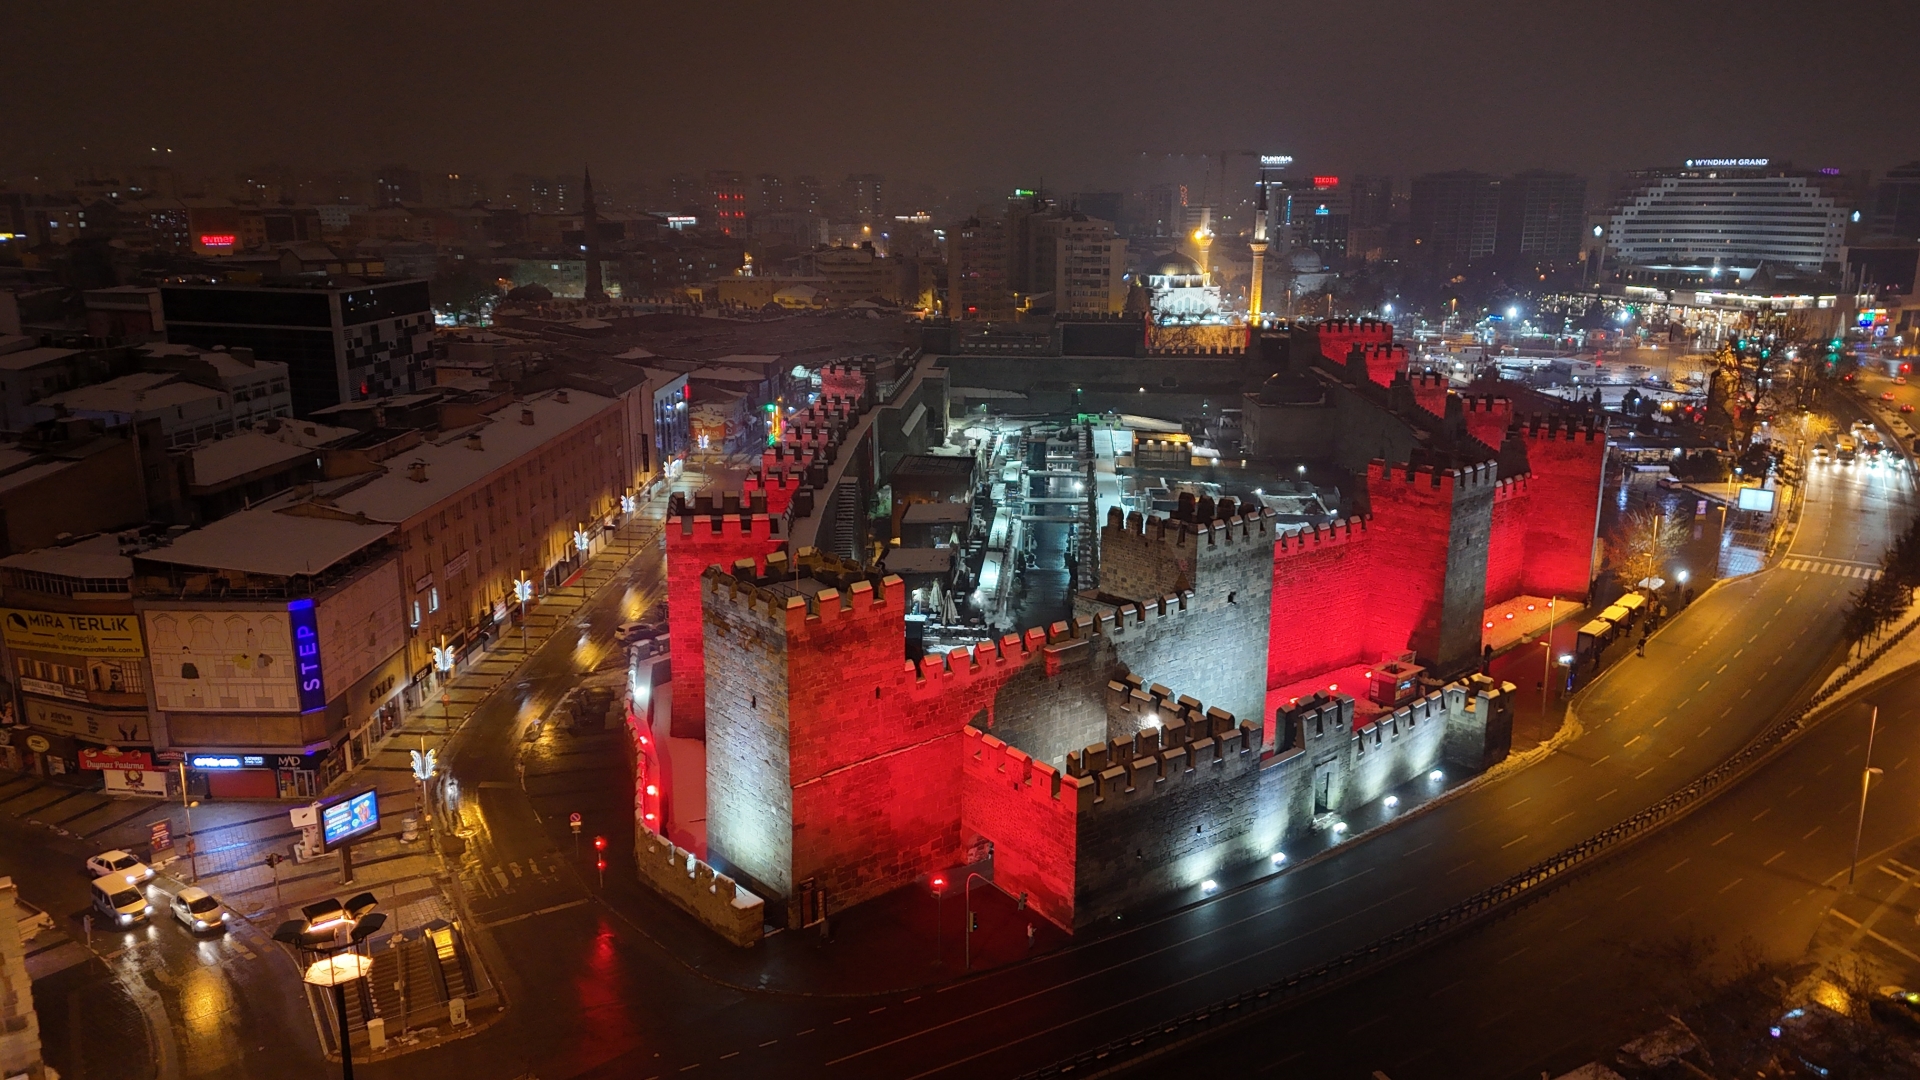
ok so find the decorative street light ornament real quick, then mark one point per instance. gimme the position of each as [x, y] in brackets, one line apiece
[338, 968]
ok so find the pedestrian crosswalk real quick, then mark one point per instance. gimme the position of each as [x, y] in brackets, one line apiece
[1830, 566]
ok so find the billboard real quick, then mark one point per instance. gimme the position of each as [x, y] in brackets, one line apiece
[1754, 498]
[347, 818]
[306, 655]
[99, 725]
[236, 660]
[74, 635]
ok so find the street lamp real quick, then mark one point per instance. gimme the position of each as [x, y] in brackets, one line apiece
[327, 940]
[443, 663]
[523, 592]
[1866, 778]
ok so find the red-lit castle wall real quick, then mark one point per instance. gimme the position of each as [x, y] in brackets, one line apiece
[1323, 584]
[1432, 526]
[844, 766]
[1506, 551]
[1337, 336]
[695, 541]
[1567, 458]
[1029, 809]
[1384, 361]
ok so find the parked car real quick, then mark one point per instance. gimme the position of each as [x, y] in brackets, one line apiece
[121, 904]
[1906, 408]
[629, 633]
[121, 864]
[198, 911]
[1886, 395]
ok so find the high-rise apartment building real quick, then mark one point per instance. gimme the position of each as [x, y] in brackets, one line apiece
[1896, 206]
[977, 271]
[1456, 217]
[864, 196]
[1542, 216]
[1733, 215]
[770, 194]
[726, 192]
[1083, 262]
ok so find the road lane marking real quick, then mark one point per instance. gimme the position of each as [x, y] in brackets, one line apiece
[1761, 814]
[1641, 775]
[842, 1020]
[1635, 739]
[1560, 819]
[881, 1009]
[1888, 942]
[1598, 760]
[1716, 671]
[1525, 800]
[1459, 868]
[1808, 835]
[1513, 841]
[1795, 791]
[724, 1057]
[1609, 792]
[1701, 687]
[1403, 855]
[1722, 840]
[1679, 864]
[1515, 953]
[1626, 894]
[809, 1031]
[1660, 721]
[768, 1043]
[1774, 856]
[1446, 988]
[1731, 884]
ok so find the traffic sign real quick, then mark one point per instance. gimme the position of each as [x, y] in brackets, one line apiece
[573, 821]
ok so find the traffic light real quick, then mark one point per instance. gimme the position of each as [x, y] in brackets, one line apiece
[599, 843]
[600, 865]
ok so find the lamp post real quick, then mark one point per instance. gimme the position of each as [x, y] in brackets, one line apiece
[443, 663]
[193, 856]
[1546, 675]
[523, 592]
[1866, 778]
[327, 939]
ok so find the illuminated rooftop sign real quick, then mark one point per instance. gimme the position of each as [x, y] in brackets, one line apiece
[1726, 162]
[216, 240]
[1275, 161]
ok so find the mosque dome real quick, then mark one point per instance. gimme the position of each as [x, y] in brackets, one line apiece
[1172, 264]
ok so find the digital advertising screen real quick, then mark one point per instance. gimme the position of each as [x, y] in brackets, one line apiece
[349, 817]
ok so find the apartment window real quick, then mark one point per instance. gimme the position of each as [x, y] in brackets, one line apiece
[433, 598]
[415, 620]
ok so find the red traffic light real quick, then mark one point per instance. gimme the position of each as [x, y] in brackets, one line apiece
[600, 865]
[599, 843]
[939, 883]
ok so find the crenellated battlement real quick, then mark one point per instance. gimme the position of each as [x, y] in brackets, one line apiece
[1487, 403]
[1177, 737]
[1303, 722]
[1209, 525]
[1510, 487]
[852, 592]
[1551, 426]
[987, 758]
[1443, 478]
[740, 516]
[1387, 728]
[1319, 537]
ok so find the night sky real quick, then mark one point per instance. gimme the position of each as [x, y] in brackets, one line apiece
[956, 93]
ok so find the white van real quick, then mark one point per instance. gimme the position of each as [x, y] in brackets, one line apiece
[120, 903]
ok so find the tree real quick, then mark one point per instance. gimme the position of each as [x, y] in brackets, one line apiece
[462, 292]
[1645, 541]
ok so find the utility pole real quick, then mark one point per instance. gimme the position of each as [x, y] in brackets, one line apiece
[1866, 778]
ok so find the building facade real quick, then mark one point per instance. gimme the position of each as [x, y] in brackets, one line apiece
[340, 341]
[1732, 216]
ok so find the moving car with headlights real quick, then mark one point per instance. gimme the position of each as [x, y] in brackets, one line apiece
[121, 904]
[199, 912]
[119, 864]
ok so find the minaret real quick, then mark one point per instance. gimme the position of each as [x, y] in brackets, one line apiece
[1259, 247]
[1203, 238]
[590, 224]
